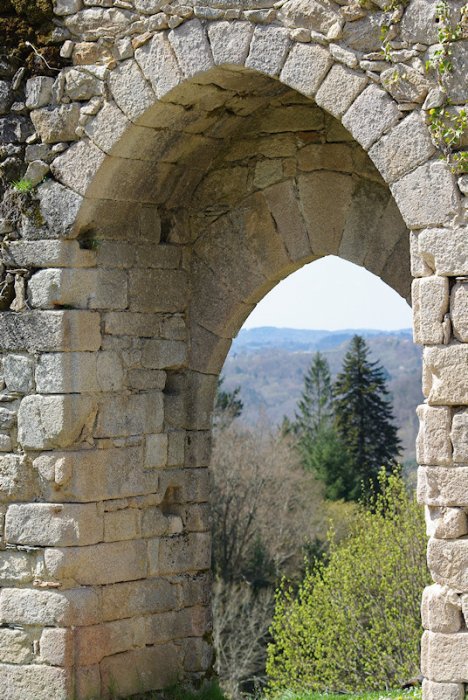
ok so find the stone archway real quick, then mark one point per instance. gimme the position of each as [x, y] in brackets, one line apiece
[215, 167]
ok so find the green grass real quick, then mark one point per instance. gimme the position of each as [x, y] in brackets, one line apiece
[413, 694]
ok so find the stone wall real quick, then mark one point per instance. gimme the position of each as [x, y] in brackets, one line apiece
[188, 158]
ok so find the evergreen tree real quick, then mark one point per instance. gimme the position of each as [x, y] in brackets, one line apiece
[364, 419]
[318, 443]
[228, 405]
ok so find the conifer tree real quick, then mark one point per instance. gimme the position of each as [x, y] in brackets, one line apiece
[364, 419]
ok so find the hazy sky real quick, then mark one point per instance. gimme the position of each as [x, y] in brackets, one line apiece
[332, 294]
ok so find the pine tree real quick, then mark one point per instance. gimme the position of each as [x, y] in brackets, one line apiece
[364, 419]
[318, 443]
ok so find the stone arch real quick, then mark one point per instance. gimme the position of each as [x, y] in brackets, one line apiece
[125, 347]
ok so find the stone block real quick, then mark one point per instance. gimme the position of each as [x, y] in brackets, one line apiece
[372, 113]
[50, 331]
[446, 523]
[316, 15]
[110, 372]
[63, 608]
[57, 646]
[50, 289]
[78, 165]
[19, 568]
[59, 207]
[132, 324]
[56, 124]
[442, 691]
[122, 525]
[430, 305]
[405, 84]
[459, 310]
[448, 564]
[305, 68]
[39, 91]
[17, 480]
[427, 196]
[444, 657]
[107, 128]
[339, 89]
[459, 437]
[407, 145]
[70, 372]
[95, 643]
[192, 48]
[130, 415]
[290, 224]
[38, 681]
[88, 682]
[47, 422]
[142, 670]
[164, 354]
[198, 656]
[123, 600]
[15, 647]
[179, 554]
[433, 445]
[268, 50]
[441, 609]
[444, 251]
[18, 373]
[98, 564]
[230, 41]
[156, 450]
[169, 290]
[445, 375]
[159, 65]
[46, 253]
[60, 525]
[441, 486]
[7, 418]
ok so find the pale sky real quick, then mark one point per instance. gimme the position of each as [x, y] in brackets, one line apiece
[332, 294]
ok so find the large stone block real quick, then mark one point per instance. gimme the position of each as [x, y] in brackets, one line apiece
[123, 600]
[18, 372]
[459, 437]
[448, 564]
[427, 196]
[158, 63]
[230, 41]
[47, 253]
[56, 646]
[15, 647]
[49, 331]
[268, 50]
[37, 681]
[142, 670]
[441, 609]
[306, 67]
[444, 251]
[122, 525]
[19, 568]
[179, 554]
[444, 657]
[433, 445]
[46, 422]
[70, 372]
[56, 124]
[442, 486]
[442, 691]
[78, 165]
[17, 479]
[50, 289]
[318, 15]
[164, 354]
[192, 48]
[59, 207]
[446, 523]
[459, 310]
[61, 525]
[430, 305]
[158, 290]
[64, 608]
[98, 564]
[371, 114]
[445, 375]
[92, 644]
[130, 415]
[339, 89]
[408, 144]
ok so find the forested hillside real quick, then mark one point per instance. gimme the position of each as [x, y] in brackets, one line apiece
[269, 365]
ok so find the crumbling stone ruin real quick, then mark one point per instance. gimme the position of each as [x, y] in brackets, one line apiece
[172, 166]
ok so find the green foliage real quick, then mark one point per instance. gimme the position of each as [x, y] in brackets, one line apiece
[354, 623]
[23, 186]
[447, 129]
[228, 405]
[364, 420]
[410, 694]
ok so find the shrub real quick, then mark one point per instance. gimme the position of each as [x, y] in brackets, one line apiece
[354, 623]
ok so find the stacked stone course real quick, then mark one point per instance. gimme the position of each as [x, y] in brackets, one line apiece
[194, 155]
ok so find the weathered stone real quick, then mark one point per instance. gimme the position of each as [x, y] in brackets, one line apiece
[459, 310]
[38, 91]
[6, 97]
[441, 609]
[169, 290]
[145, 669]
[448, 563]
[18, 372]
[82, 85]
[122, 525]
[444, 251]
[32, 607]
[159, 65]
[371, 114]
[42, 682]
[47, 253]
[88, 23]
[46, 525]
[442, 691]
[441, 486]
[339, 90]
[36, 172]
[405, 84]
[179, 554]
[430, 305]
[230, 41]
[56, 124]
[433, 445]
[50, 331]
[59, 207]
[15, 647]
[156, 450]
[19, 568]
[17, 482]
[319, 15]
[459, 437]
[56, 646]
[445, 376]
[192, 48]
[427, 196]
[130, 415]
[45, 422]
[407, 145]
[306, 82]
[268, 50]
[77, 167]
[444, 657]
[446, 524]
[457, 90]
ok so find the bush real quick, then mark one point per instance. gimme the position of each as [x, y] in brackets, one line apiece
[354, 623]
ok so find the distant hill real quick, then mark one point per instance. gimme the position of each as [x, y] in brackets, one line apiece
[269, 365]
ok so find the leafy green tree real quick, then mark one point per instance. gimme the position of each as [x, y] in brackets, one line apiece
[364, 419]
[318, 443]
[354, 623]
